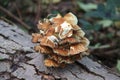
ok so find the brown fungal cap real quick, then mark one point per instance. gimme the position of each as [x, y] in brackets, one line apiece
[43, 49]
[50, 63]
[61, 39]
[71, 18]
[36, 37]
[74, 49]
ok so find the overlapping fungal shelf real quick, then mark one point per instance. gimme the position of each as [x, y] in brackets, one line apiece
[61, 40]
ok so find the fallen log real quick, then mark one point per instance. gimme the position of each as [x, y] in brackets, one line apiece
[18, 61]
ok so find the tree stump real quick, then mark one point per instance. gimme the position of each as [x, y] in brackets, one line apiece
[18, 61]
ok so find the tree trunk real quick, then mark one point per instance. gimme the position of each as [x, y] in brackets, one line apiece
[18, 61]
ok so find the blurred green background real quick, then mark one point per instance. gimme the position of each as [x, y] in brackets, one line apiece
[100, 19]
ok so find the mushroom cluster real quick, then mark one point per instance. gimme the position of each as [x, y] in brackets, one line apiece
[61, 40]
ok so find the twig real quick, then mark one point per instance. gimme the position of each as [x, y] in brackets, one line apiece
[38, 13]
[16, 18]
[18, 11]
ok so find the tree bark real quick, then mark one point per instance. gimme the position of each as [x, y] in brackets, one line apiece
[18, 61]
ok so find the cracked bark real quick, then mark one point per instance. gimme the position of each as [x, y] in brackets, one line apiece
[18, 61]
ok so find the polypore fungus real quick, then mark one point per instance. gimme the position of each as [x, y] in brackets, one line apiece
[61, 40]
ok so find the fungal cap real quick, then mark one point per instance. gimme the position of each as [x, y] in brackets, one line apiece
[50, 63]
[71, 18]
